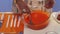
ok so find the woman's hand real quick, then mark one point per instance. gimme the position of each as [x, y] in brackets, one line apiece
[49, 4]
[22, 6]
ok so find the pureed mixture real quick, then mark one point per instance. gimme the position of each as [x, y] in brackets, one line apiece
[39, 19]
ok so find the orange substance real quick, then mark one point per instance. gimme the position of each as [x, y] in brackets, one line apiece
[39, 19]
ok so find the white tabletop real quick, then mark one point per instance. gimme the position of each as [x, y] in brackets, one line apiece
[53, 26]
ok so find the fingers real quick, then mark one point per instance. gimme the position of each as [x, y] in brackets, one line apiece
[21, 5]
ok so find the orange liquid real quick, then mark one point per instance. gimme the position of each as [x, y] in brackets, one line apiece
[39, 19]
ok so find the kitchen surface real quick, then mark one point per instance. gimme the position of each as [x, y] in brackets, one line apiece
[43, 18]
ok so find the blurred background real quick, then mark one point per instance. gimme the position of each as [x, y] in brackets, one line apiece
[6, 5]
[56, 6]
